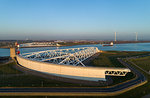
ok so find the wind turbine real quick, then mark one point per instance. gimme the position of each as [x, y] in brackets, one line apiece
[115, 36]
[136, 37]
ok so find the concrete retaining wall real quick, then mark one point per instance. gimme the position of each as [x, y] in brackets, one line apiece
[76, 72]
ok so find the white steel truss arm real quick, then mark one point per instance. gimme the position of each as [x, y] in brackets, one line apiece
[71, 56]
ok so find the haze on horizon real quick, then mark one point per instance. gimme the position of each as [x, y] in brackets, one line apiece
[74, 19]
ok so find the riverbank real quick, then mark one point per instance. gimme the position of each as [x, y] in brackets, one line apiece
[8, 45]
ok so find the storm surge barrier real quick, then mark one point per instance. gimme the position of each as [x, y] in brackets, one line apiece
[68, 63]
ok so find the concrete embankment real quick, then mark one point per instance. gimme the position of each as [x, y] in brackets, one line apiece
[58, 78]
[76, 72]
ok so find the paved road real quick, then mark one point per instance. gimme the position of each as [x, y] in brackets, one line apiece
[137, 65]
[140, 78]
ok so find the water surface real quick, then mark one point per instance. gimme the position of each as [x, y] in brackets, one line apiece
[4, 52]
[117, 47]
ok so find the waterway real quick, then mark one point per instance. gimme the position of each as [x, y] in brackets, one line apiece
[4, 52]
[117, 47]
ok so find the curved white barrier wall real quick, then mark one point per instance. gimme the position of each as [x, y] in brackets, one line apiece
[75, 72]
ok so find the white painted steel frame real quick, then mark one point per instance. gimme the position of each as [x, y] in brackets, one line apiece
[71, 56]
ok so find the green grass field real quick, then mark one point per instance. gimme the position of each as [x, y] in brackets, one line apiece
[143, 62]
[143, 90]
[32, 81]
[109, 58]
[11, 77]
[8, 69]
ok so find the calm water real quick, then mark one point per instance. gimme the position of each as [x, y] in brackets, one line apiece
[118, 47]
[4, 52]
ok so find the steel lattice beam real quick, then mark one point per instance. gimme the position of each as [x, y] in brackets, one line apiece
[116, 73]
[71, 56]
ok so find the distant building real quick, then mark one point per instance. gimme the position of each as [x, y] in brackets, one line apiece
[39, 44]
[59, 41]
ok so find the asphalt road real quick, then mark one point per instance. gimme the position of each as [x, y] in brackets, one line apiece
[139, 79]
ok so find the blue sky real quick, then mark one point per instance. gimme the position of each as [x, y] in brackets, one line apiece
[74, 19]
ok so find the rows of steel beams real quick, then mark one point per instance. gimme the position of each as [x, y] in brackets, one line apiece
[71, 56]
[116, 73]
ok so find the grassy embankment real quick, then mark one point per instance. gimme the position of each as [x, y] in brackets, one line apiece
[144, 63]
[109, 59]
[10, 77]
